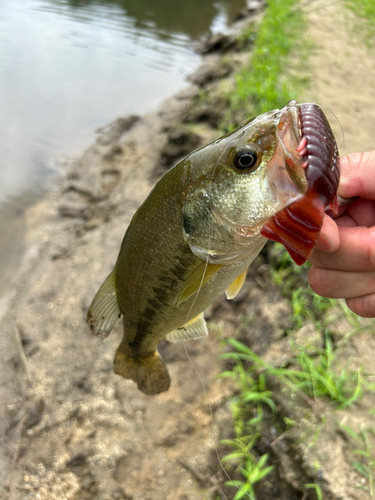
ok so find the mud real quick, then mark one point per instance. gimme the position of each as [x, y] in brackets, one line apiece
[70, 428]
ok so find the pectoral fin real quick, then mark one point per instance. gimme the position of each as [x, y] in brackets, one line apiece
[194, 329]
[199, 277]
[236, 286]
[104, 310]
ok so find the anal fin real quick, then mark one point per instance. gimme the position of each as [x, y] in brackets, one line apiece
[236, 286]
[194, 329]
[297, 226]
[104, 310]
[149, 372]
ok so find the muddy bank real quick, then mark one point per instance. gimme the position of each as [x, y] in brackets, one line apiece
[71, 428]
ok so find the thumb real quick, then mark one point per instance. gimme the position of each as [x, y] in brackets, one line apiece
[329, 239]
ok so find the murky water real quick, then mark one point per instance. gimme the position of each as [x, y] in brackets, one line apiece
[69, 67]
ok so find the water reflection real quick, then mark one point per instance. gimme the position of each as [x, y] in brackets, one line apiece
[192, 18]
[68, 67]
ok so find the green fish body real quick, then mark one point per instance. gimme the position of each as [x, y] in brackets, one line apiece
[194, 238]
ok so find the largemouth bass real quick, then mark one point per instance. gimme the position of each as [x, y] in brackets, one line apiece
[204, 223]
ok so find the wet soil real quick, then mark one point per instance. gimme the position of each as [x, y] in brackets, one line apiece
[70, 428]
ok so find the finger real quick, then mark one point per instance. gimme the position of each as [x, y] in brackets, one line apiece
[363, 306]
[329, 239]
[357, 175]
[341, 284]
[345, 220]
[334, 214]
[362, 212]
[355, 253]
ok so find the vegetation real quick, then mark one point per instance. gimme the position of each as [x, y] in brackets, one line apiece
[270, 80]
[364, 463]
[365, 9]
[313, 371]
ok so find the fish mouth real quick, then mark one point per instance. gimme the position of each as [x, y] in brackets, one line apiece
[311, 156]
[286, 170]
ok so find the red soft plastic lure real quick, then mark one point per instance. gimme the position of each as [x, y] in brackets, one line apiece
[298, 225]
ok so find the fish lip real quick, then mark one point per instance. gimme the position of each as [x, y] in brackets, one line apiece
[291, 116]
[288, 132]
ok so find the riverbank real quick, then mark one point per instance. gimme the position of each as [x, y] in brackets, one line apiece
[75, 430]
[71, 430]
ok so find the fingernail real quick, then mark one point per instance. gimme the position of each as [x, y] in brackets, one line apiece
[329, 245]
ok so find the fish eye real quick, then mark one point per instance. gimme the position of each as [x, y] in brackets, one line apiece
[246, 158]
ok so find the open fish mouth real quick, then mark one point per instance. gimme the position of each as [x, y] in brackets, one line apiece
[310, 149]
[313, 165]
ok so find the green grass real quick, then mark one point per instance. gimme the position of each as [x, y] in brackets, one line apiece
[316, 488]
[365, 463]
[312, 372]
[253, 471]
[252, 398]
[291, 280]
[271, 79]
[365, 9]
[309, 376]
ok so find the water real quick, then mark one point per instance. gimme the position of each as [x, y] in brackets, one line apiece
[69, 67]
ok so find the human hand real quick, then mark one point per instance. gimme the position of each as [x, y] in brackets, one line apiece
[344, 258]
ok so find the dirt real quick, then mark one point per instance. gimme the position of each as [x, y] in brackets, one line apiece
[342, 70]
[70, 428]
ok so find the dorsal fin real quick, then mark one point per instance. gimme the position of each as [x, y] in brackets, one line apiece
[194, 329]
[104, 310]
[199, 277]
[236, 286]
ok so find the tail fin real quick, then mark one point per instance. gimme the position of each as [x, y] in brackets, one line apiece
[149, 373]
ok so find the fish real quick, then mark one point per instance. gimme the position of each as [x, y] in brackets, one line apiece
[203, 224]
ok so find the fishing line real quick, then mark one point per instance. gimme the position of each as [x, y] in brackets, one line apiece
[208, 246]
[212, 173]
[333, 114]
[201, 283]
[213, 427]
[193, 364]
